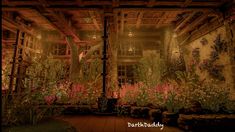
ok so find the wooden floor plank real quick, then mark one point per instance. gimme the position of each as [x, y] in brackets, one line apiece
[121, 125]
[98, 124]
[111, 124]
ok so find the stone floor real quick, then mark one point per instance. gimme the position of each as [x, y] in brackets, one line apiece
[93, 123]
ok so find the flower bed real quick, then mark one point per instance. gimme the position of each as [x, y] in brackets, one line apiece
[207, 121]
[123, 110]
[155, 115]
[138, 112]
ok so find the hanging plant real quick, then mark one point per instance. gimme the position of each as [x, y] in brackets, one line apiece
[196, 54]
[204, 41]
[220, 45]
[214, 70]
[214, 55]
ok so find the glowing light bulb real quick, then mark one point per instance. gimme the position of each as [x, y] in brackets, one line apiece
[130, 49]
[39, 36]
[94, 37]
[174, 35]
[130, 34]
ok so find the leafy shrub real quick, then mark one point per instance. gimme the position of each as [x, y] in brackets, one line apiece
[26, 106]
[209, 93]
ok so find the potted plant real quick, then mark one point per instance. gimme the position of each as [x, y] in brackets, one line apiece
[170, 99]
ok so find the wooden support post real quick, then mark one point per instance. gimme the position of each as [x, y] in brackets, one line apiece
[19, 79]
[139, 18]
[104, 55]
[14, 62]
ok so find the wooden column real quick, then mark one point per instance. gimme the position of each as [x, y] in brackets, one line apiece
[231, 48]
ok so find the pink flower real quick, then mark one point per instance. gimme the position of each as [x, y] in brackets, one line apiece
[50, 99]
[165, 89]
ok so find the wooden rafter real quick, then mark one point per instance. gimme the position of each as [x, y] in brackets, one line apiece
[63, 25]
[186, 3]
[163, 17]
[193, 24]
[6, 22]
[91, 13]
[184, 21]
[8, 28]
[139, 18]
[122, 22]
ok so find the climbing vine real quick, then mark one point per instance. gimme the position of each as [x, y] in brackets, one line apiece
[209, 65]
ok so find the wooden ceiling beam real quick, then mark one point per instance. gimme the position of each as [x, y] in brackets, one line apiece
[167, 10]
[193, 24]
[95, 3]
[63, 25]
[184, 21]
[15, 9]
[8, 23]
[206, 4]
[115, 3]
[4, 26]
[79, 2]
[150, 3]
[139, 18]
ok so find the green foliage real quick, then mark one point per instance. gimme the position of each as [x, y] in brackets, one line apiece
[6, 71]
[123, 110]
[91, 78]
[215, 71]
[102, 103]
[47, 126]
[129, 98]
[142, 98]
[209, 93]
[91, 70]
[150, 69]
[46, 72]
[92, 93]
[24, 107]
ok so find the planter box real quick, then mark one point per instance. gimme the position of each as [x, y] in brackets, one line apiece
[207, 122]
[169, 118]
[80, 110]
[123, 110]
[139, 112]
[155, 115]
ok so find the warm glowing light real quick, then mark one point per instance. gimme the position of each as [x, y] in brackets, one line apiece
[174, 35]
[130, 49]
[130, 34]
[39, 51]
[94, 37]
[39, 36]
